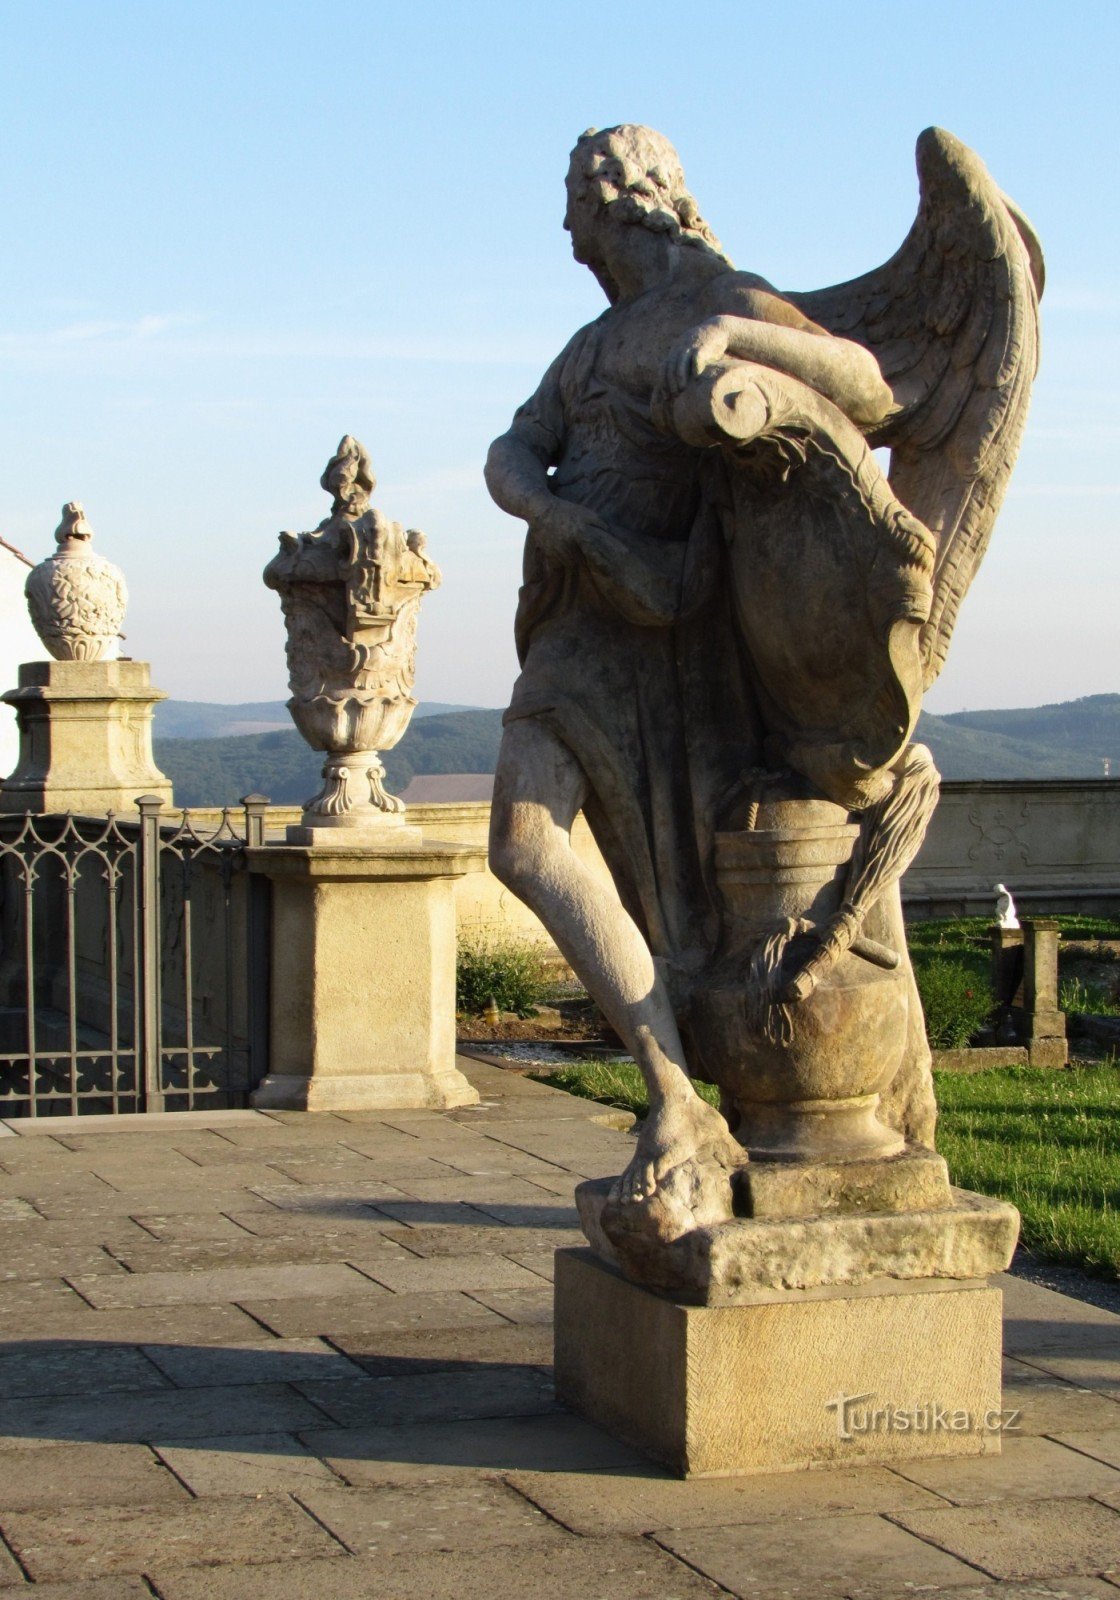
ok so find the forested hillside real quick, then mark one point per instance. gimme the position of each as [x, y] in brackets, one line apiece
[1061, 741]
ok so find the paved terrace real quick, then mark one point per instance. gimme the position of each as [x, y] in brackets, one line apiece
[261, 1357]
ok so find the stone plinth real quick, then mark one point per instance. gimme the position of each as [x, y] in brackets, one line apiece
[363, 975]
[761, 1387]
[85, 738]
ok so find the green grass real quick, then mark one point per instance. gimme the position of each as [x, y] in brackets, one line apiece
[1047, 1141]
[1050, 1143]
[614, 1083]
[1091, 999]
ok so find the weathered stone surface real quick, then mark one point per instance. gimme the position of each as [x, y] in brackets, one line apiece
[816, 1557]
[445, 1396]
[85, 738]
[441, 1273]
[1028, 1468]
[222, 1283]
[382, 1313]
[76, 1368]
[915, 1180]
[350, 1032]
[403, 1355]
[599, 1504]
[416, 1518]
[1026, 1538]
[89, 1541]
[820, 599]
[85, 1474]
[254, 1463]
[550, 1443]
[624, 1569]
[263, 1361]
[755, 1388]
[730, 1262]
[164, 1413]
[351, 594]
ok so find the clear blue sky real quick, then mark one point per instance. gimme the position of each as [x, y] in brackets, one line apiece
[233, 232]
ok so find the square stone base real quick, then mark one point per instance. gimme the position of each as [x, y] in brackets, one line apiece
[719, 1390]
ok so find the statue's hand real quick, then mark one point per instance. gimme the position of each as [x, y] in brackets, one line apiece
[565, 530]
[699, 348]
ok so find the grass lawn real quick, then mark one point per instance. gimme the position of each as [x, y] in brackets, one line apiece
[1048, 1141]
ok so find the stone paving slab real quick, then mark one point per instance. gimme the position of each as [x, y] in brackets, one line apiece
[401, 1355]
[252, 1463]
[84, 1474]
[1026, 1538]
[1096, 1368]
[92, 1541]
[556, 1443]
[240, 1399]
[438, 1274]
[817, 1557]
[187, 1325]
[606, 1569]
[167, 1413]
[532, 1307]
[262, 1361]
[147, 1122]
[221, 1284]
[118, 1587]
[201, 1255]
[1046, 1404]
[589, 1503]
[1030, 1469]
[76, 1367]
[417, 1518]
[485, 1239]
[362, 1314]
[445, 1396]
[1101, 1446]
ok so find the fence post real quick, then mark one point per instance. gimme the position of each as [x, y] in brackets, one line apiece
[150, 955]
[259, 960]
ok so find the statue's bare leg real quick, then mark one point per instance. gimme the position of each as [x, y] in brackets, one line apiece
[538, 792]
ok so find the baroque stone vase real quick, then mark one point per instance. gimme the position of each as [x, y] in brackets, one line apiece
[77, 599]
[350, 592]
[801, 1075]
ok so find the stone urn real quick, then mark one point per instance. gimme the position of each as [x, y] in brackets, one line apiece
[76, 598]
[350, 592]
[801, 1073]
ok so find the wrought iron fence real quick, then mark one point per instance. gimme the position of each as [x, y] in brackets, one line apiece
[133, 962]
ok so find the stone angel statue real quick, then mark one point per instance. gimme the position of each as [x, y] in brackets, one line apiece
[729, 616]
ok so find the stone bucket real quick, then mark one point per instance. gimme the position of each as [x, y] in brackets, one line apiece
[803, 1076]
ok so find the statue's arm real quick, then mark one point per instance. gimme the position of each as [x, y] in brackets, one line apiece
[758, 325]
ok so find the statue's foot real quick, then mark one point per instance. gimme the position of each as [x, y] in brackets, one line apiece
[677, 1131]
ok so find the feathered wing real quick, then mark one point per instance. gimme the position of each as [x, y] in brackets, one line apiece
[952, 319]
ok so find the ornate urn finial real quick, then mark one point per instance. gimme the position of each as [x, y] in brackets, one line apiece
[350, 592]
[76, 598]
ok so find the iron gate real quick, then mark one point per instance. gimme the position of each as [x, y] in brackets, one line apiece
[133, 962]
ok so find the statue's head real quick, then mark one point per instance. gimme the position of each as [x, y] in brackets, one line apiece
[348, 477]
[630, 175]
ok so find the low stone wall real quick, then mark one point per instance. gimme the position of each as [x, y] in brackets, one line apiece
[1055, 843]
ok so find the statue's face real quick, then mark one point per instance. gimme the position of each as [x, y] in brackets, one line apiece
[583, 218]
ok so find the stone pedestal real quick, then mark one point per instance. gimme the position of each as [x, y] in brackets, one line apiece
[884, 1371]
[1025, 980]
[363, 975]
[85, 738]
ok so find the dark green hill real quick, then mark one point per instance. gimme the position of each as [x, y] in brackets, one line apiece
[1060, 741]
[1088, 728]
[203, 719]
[217, 771]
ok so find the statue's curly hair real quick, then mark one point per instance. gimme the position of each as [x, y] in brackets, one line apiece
[636, 172]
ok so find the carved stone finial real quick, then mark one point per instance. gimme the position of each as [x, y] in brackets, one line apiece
[76, 598]
[351, 592]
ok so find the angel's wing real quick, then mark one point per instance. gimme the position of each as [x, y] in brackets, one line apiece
[953, 320]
